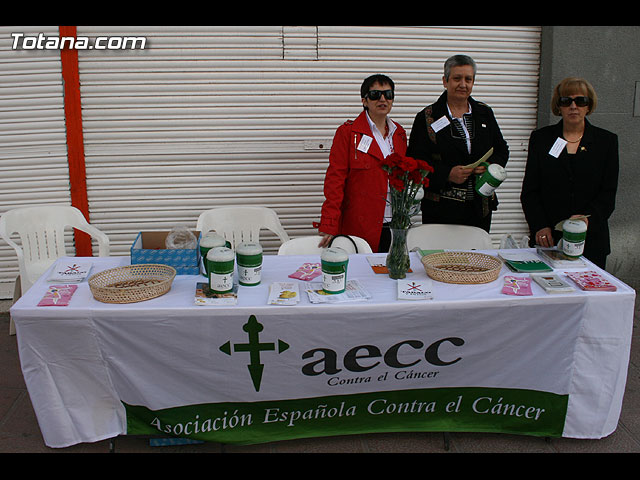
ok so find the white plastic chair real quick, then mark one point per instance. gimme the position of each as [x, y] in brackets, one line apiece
[241, 224]
[309, 245]
[41, 230]
[434, 236]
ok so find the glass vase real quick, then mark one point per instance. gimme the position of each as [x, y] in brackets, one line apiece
[398, 256]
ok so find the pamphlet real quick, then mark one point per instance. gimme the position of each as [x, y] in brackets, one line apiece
[204, 296]
[524, 262]
[307, 271]
[483, 159]
[517, 286]
[591, 281]
[552, 283]
[354, 292]
[424, 253]
[557, 259]
[560, 225]
[57, 296]
[415, 289]
[70, 270]
[379, 264]
[284, 293]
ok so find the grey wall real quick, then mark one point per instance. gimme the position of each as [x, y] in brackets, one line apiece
[608, 57]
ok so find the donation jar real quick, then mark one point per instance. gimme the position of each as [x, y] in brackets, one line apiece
[574, 234]
[249, 259]
[334, 261]
[209, 241]
[221, 264]
[491, 179]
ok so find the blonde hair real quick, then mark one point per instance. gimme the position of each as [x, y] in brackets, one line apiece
[573, 86]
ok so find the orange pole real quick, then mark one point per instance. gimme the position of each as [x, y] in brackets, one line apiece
[75, 141]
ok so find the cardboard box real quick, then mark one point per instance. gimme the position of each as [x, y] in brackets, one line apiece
[149, 247]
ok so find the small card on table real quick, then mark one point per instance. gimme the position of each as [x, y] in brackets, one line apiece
[70, 270]
[57, 296]
[284, 293]
[420, 289]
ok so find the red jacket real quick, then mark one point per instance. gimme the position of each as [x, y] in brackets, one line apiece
[355, 186]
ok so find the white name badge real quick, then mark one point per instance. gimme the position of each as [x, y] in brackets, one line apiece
[365, 143]
[557, 147]
[440, 124]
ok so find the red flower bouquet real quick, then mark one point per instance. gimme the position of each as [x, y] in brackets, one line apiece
[407, 177]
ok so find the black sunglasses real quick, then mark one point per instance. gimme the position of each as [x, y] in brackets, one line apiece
[375, 94]
[580, 101]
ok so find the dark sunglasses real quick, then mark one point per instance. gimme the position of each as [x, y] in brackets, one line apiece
[567, 101]
[376, 94]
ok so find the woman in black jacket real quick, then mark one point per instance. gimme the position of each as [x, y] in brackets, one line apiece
[572, 170]
[450, 134]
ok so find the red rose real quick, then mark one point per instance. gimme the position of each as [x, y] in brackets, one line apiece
[408, 164]
[396, 183]
[422, 165]
[389, 161]
[416, 176]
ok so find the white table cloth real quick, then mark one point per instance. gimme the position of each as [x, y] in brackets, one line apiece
[470, 359]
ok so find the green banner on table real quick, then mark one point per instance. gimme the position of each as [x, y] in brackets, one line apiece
[466, 409]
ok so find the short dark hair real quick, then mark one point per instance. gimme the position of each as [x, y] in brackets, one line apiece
[458, 61]
[378, 77]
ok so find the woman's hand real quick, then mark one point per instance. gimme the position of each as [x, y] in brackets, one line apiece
[544, 237]
[326, 240]
[479, 170]
[459, 174]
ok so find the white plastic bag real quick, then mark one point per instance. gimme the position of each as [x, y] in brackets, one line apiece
[508, 242]
[181, 238]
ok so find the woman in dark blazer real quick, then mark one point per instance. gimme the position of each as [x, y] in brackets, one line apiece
[454, 132]
[572, 170]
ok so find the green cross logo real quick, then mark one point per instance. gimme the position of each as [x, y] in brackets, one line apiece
[254, 347]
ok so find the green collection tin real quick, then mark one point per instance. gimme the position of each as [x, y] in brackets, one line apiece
[574, 234]
[334, 262]
[221, 265]
[249, 259]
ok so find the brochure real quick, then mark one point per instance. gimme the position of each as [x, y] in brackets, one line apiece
[70, 270]
[307, 271]
[284, 293]
[557, 259]
[483, 159]
[552, 283]
[524, 262]
[517, 286]
[204, 296]
[57, 296]
[379, 264]
[354, 292]
[423, 253]
[560, 225]
[415, 289]
[591, 281]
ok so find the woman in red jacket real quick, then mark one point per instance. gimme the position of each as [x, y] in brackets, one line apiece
[355, 185]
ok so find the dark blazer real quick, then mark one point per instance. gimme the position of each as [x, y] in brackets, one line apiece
[553, 189]
[442, 151]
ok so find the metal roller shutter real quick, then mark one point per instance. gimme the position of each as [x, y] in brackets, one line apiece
[230, 115]
[33, 149]
[213, 116]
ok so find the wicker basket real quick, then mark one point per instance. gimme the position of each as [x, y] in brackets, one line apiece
[132, 283]
[462, 267]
